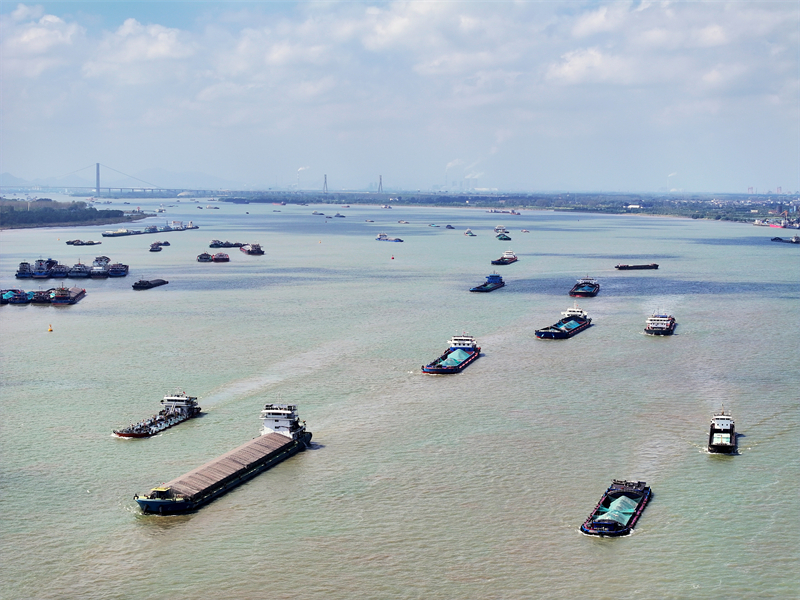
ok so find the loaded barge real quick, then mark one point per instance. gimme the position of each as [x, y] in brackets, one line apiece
[462, 351]
[282, 435]
[618, 510]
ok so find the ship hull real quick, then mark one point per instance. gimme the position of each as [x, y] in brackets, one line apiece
[554, 333]
[596, 524]
[669, 331]
[504, 261]
[189, 504]
[435, 368]
[487, 287]
[156, 430]
[636, 267]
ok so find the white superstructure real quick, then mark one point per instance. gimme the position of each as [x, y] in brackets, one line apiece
[464, 341]
[281, 418]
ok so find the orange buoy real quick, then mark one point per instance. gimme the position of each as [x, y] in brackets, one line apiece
[49, 328]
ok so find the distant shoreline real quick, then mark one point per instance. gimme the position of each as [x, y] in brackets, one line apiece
[131, 219]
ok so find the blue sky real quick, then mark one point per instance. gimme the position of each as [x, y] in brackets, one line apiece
[535, 96]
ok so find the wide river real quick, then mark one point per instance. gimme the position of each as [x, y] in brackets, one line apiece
[417, 486]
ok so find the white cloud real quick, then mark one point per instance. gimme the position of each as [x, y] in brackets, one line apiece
[406, 83]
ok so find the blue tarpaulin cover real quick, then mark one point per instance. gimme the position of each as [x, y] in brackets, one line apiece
[455, 358]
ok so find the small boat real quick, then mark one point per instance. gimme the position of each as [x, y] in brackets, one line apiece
[368, 221]
[660, 325]
[469, 232]
[574, 320]
[42, 296]
[524, 231]
[145, 284]
[462, 351]
[156, 247]
[493, 282]
[317, 213]
[619, 509]
[586, 287]
[433, 225]
[176, 408]
[79, 270]
[507, 258]
[253, 249]
[117, 270]
[449, 227]
[163, 243]
[795, 239]
[220, 257]
[204, 257]
[24, 271]
[403, 222]
[382, 237]
[503, 237]
[339, 216]
[6, 295]
[41, 270]
[636, 267]
[62, 295]
[20, 297]
[60, 271]
[722, 434]
[500, 229]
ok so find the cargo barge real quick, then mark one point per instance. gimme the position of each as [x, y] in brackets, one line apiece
[636, 267]
[618, 510]
[722, 434]
[177, 408]
[462, 351]
[282, 435]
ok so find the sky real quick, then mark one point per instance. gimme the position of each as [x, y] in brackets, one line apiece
[432, 95]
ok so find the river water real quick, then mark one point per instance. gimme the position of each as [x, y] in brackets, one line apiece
[417, 486]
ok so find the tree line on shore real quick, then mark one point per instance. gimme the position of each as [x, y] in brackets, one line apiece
[43, 211]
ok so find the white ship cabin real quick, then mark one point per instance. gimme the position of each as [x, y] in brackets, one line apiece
[574, 311]
[509, 254]
[178, 399]
[464, 341]
[659, 322]
[722, 422]
[280, 418]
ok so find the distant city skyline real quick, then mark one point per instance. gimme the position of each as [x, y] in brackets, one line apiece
[514, 96]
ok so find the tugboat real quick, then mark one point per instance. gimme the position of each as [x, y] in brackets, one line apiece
[253, 249]
[462, 350]
[221, 257]
[177, 408]
[204, 257]
[79, 270]
[636, 267]
[507, 258]
[282, 435]
[493, 282]
[41, 270]
[155, 247]
[63, 296]
[117, 270]
[660, 325]
[586, 287]
[573, 322]
[382, 237]
[722, 435]
[144, 284]
[24, 271]
[619, 509]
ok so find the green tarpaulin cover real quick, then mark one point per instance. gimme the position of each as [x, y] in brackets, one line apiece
[455, 358]
[620, 510]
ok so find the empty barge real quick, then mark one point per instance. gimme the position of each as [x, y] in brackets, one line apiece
[282, 435]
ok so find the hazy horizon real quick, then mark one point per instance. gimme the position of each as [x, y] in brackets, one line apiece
[632, 97]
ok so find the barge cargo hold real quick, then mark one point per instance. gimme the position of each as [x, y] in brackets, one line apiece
[282, 436]
[618, 510]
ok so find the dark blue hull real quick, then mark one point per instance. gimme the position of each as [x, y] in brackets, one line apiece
[554, 332]
[487, 287]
